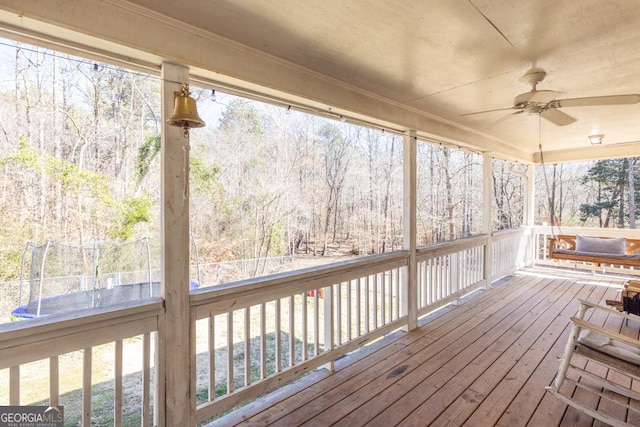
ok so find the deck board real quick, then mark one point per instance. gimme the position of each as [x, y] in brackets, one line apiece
[485, 362]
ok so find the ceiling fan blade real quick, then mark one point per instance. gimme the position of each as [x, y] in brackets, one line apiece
[557, 117]
[490, 124]
[489, 111]
[597, 100]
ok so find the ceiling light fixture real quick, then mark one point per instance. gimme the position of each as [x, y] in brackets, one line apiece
[596, 139]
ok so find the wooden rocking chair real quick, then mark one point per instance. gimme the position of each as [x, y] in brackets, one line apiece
[610, 349]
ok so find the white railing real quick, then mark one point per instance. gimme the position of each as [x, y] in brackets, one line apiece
[541, 235]
[85, 363]
[252, 335]
[510, 251]
[450, 270]
[246, 337]
[447, 271]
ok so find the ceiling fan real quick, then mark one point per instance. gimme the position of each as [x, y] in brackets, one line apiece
[544, 102]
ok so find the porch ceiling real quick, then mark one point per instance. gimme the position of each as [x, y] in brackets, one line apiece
[418, 64]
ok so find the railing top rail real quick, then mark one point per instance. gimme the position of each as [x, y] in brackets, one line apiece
[75, 322]
[589, 231]
[305, 279]
[512, 231]
[452, 246]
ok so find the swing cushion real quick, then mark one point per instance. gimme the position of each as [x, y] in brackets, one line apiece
[599, 245]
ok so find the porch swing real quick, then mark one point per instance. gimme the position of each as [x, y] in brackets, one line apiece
[594, 250]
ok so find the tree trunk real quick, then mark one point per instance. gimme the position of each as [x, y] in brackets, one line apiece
[632, 193]
[449, 193]
[552, 198]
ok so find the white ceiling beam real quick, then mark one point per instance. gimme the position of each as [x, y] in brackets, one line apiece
[593, 152]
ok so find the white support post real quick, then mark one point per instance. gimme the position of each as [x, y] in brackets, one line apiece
[530, 198]
[487, 217]
[329, 324]
[179, 407]
[454, 275]
[409, 228]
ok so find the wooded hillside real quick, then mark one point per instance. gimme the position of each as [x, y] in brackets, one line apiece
[79, 160]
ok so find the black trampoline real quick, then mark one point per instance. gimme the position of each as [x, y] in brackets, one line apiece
[58, 278]
[81, 300]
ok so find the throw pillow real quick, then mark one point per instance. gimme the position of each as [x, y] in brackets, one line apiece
[601, 246]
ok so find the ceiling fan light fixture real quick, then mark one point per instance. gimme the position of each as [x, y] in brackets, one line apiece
[596, 139]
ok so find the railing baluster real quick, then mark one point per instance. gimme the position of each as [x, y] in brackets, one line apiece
[446, 279]
[454, 276]
[117, 398]
[230, 379]
[316, 322]
[375, 301]
[390, 278]
[437, 265]
[426, 277]
[54, 381]
[384, 299]
[329, 316]
[349, 311]
[86, 387]
[292, 332]
[419, 292]
[473, 262]
[463, 258]
[477, 265]
[390, 296]
[247, 346]
[422, 290]
[397, 291]
[305, 327]
[474, 265]
[367, 306]
[14, 386]
[212, 356]
[469, 263]
[442, 270]
[338, 314]
[278, 328]
[263, 340]
[437, 280]
[146, 379]
[470, 257]
[431, 280]
[358, 307]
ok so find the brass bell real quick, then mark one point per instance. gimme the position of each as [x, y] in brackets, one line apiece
[185, 112]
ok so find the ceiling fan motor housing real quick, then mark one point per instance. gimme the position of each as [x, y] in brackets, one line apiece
[533, 98]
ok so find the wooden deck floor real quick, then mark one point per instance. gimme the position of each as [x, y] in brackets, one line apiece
[485, 362]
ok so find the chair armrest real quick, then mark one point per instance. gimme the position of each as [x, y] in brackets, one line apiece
[602, 331]
[589, 304]
[562, 241]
